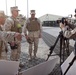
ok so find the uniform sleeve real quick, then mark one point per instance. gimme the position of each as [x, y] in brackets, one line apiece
[8, 24]
[68, 33]
[24, 28]
[7, 36]
[40, 25]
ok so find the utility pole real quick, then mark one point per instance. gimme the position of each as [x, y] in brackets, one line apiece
[15, 2]
[27, 9]
[6, 6]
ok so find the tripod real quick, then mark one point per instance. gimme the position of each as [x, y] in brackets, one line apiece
[71, 63]
[63, 45]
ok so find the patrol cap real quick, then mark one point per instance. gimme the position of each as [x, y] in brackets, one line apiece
[15, 8]
[32, 11]
[2, 14]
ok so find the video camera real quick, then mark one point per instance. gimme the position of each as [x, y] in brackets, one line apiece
[58, 21]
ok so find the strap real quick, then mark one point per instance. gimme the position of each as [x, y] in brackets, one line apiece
[14, 39]
[1, 48]
[31, 19]
[13, 20]
[1, 28]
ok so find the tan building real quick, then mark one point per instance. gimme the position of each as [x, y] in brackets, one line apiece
[49, 19]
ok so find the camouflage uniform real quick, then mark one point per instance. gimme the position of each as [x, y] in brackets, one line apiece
[3, 54]
[4, 38]
[33, 26]
[12, 24]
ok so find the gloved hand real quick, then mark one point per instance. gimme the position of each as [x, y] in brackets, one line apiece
[13, 45]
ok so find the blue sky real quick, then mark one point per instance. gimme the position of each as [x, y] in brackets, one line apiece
[56, 7]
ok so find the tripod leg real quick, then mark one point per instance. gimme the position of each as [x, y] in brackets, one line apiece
[52, 47]
[60, 49]
[63, 44]
[75, 48]
[67, 47]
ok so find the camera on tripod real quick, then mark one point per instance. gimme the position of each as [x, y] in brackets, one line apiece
[64, 42]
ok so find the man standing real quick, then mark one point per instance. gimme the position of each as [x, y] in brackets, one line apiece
[12, 24]
[5, 36]
[34, 28]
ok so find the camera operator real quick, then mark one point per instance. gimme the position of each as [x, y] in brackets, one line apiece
[71, 33]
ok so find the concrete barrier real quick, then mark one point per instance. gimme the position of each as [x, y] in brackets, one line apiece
[8, 67]
[72, 69]
[42, 69]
